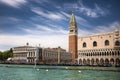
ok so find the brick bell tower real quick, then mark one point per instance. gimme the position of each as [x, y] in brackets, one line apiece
[73, 37]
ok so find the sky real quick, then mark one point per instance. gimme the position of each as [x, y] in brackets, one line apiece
[45, 23]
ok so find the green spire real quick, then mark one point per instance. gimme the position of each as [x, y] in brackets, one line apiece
[73, 20]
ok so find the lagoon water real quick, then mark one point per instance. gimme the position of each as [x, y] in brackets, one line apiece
[29, 73]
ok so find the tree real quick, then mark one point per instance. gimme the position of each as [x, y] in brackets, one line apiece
[1, 55]
[6, 54]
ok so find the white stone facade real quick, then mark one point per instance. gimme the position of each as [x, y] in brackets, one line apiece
[25, 54]
[102, 49]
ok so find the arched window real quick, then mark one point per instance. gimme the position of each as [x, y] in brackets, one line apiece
[106, 42]
[84, 44]
[117, 43]
[94, 43]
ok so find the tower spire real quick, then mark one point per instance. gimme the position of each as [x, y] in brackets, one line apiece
[73, 20]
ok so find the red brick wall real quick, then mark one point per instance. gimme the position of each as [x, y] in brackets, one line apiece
[73, 46]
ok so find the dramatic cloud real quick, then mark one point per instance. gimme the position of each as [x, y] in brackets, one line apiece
[46, 22]
[84, 32]
[8, 20]
[108, 28]
[48, 14]
[45, 30]
[8, 41]
[97, 11]
[14, 3]
[100, 29]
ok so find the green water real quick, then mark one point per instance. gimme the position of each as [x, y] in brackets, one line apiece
[16, 73]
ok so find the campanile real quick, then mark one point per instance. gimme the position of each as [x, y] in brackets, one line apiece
[73, 37]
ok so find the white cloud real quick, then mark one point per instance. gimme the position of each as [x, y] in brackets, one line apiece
[14, 3]
[83, 32]
[65, 14]
[48, 14]
[97, 11]
[14, 19]
[9, 20]
[45, 30]
[27, 30]
[8, 41]
[100, 29]
[78, 18]
[108, 28]
[52, 29]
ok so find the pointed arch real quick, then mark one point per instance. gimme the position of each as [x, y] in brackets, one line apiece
[117, 61]
[88, 61]
[97, 61]
[84, 62]
[101, 61]
[80, 61]
[92, 61]
[106, 61]
[112, 61]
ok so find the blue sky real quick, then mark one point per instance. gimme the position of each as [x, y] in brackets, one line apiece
[46, 22]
